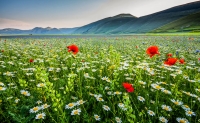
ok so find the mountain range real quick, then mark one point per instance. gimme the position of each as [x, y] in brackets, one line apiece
[183, 18]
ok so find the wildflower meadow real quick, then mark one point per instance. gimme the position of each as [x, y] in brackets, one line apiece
[125, 79]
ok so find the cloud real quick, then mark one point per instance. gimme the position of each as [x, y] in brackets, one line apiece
[9, 23]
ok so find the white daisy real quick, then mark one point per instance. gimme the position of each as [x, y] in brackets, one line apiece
[39, 102]
[99, 99]
[117, 93]
[76, 112]
[17, 100]
[97, 117]
[141, 99]
[166, 108]
[109, 93]
[157, 87]
[70, 105]
[185, 107]
[121, 105]
[44, 106]
[107, 88]
[25, 93]
[80, 102]
[142, 83]
[166, 91]
[105, 107]
[151, 113]
[34, 109]
[163, 119]
[118, 120]
[182, 120]
[189, 113]
[2, 88]
[1, 83]
[97, 95]
[41, 85]
[40, 116]
[176, 102]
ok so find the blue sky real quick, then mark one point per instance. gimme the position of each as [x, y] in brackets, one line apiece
[27, 14]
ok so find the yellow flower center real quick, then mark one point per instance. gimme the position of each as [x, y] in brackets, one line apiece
[188, 93]
[1, 88]
[45, 105]
[189, 112]
[25, 93]
[81, 101]
[165, 91]
[71, 104]
[158, 87]
[35, 108]
[40, 116]
[166, 108]
[106, 107]
[96, 117]
[150, 112]
[76, 112]
[182, 121]
[163, 120]
[41, 84]
[176, 103]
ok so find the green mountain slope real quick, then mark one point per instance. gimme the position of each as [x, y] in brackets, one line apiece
[190, 23]
[105, 25]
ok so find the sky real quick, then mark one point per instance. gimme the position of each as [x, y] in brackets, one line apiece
[27, 14]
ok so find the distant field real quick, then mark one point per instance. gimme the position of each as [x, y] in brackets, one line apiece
[4, 36]
[108, 78]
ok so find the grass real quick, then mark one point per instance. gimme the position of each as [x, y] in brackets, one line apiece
[59, 87]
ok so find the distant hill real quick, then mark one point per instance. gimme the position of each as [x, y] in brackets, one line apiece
[68, 30]
[105, 25]
[38, 30]
[13, 31]
[183, 18]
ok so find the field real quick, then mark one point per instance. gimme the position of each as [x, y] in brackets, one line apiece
[107, 79]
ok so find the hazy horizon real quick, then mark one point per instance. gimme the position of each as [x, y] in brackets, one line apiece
[23, 14]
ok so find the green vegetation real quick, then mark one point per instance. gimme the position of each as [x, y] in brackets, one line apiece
[190, 23]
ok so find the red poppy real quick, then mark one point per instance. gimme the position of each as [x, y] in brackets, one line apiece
[128, 87]
[169, 55]
[170, 61]
[152, 50]
[181, 61]
[31, 60]
[73, 48]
